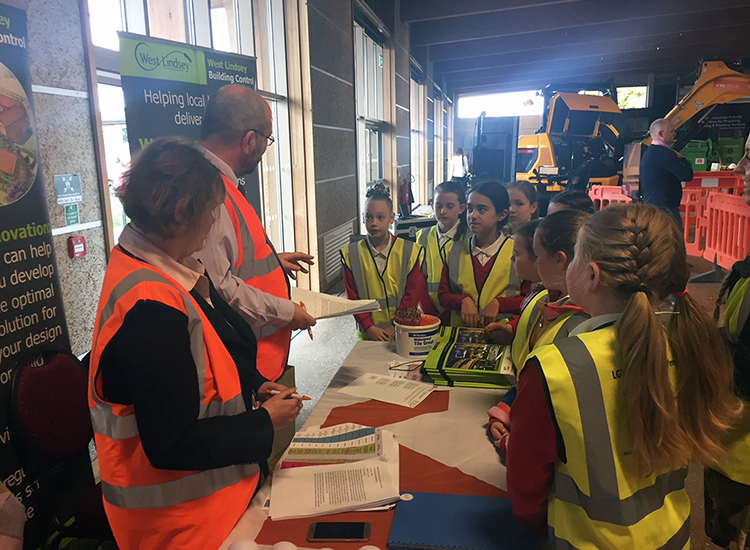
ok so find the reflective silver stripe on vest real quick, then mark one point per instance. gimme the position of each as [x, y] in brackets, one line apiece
[454, 264]
[116, 429]
[604, 503]
[356, 264]
[172, 493]
[248, 246]
[676, 542]
[424, 238]
[384, 325]
[405, 261]
[383, 303]
[433, 287]
[251, 266]
[743, 314]
[532, 319]
[628, 511]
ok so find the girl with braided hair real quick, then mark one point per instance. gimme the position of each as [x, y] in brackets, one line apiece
[607, 420]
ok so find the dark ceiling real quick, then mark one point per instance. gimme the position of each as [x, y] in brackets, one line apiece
[489, 46]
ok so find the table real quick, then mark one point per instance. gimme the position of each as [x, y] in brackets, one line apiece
[443, 448]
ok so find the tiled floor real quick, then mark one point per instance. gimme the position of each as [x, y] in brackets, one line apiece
[317, 361]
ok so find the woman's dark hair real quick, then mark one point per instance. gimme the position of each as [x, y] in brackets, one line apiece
[525, 233]
[169, 186]
[379, 192]
[459, 151]
[558, 232]
[498, 196]
[459, 189]
[574, 200]
[529, 191]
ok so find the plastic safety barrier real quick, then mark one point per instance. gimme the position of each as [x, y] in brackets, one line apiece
[727, 229]
[603, 195]
[693, 210]
[725, 181]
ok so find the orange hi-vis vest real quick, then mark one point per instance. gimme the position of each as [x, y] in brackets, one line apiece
[259, 266]
[150, 508]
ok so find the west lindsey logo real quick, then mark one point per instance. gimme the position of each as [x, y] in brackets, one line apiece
[173, 61]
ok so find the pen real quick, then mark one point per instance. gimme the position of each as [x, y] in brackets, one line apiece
[295, 395]
[309, 329]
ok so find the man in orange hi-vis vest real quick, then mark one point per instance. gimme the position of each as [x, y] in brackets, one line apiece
[239, 257]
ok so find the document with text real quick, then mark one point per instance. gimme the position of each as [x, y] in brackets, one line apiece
[406, 393]
[323, 306]
[319, 490]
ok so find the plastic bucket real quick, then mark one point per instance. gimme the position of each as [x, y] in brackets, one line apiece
[416, 342]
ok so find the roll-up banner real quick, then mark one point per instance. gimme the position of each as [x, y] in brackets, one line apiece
[31, 308]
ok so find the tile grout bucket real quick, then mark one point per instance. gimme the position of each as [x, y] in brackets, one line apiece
[416, 341]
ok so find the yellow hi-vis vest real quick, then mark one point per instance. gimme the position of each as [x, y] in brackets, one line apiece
[736, 465]
[599, 500]
[387, 289]
[501, 281]
[553, 332]
[435, 258]
[529, 317]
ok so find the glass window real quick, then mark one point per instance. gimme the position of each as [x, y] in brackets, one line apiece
[374, 164]
[418, 115]
[632, 97]
[497, 105]
[116, 149]
[166, 19]
[106, 18]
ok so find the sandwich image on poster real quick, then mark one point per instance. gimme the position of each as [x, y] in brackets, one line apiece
[18, 163]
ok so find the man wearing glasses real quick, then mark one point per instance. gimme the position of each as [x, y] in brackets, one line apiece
[240, 259]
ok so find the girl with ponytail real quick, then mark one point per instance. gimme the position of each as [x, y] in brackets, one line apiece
[606, 421]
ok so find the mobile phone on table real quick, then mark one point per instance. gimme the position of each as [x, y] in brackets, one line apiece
[342, 531]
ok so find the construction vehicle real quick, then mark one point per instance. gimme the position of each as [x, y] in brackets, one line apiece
[580, 141]
[717, 84]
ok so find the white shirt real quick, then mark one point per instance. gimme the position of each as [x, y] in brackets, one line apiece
[381, 256]
[218, 256]
[484, 254]
[459, 166]
[188, 272]
[448, 235]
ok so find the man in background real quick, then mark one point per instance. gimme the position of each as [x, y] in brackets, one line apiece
[663, 170]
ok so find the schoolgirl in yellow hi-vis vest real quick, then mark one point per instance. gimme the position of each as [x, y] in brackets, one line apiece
[547, 319]
[601, 437]
[480, 271]
[449, 206]
[385, 268]
[727, 486]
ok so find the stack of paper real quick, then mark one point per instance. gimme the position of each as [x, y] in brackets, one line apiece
[323, 306]
[347, 467]
[459, 358]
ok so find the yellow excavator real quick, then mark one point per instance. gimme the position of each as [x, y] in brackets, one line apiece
[579, 142]
[716, 85]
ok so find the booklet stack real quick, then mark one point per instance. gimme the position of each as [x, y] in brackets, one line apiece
[466, 357]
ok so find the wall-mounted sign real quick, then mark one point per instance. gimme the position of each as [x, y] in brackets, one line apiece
[68, 189]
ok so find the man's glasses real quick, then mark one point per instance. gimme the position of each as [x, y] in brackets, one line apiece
[270, 139]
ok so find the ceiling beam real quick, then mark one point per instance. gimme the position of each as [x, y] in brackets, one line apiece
[427, 10]
[579, 74]
[622, 48]
[556, 17]
[710, 23]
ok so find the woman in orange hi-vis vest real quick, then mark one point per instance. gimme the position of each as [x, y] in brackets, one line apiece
[173, 371]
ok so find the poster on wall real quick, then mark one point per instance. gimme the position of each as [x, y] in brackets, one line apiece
[166, 85]
[31, 308]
